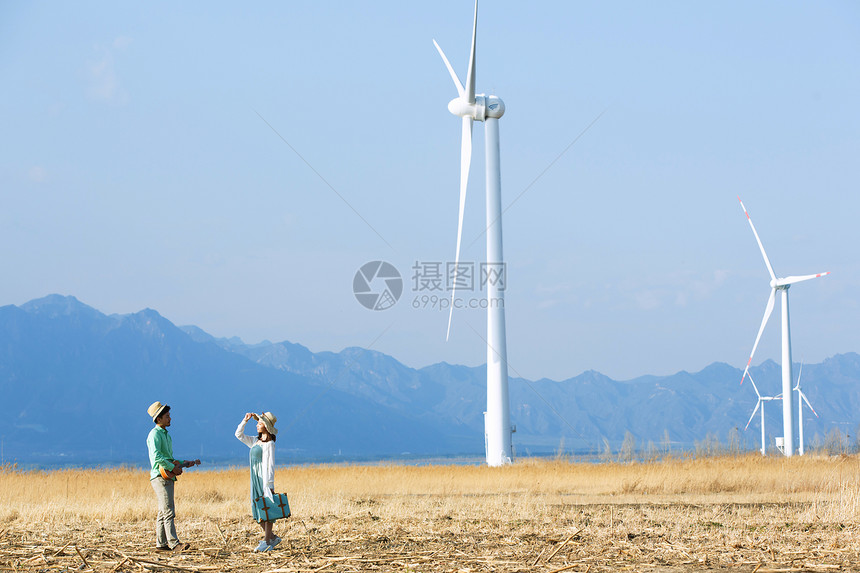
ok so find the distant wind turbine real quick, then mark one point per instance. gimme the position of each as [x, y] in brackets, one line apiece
[471, 107]
[801, 398]
[761, 401]
[782, 285]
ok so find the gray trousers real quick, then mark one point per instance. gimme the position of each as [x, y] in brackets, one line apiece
[165, 529]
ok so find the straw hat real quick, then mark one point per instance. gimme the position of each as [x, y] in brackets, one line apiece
[269, 420]
[155, 410]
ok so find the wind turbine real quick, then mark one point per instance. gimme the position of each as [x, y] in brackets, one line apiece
[761, 400]
[471, 108]
[801, 398]
[782, 285]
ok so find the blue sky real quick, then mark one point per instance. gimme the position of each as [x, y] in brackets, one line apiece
[147, 162]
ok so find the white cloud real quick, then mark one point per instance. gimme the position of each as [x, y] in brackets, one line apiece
[553, 288]
[37, 174]
[103, 82]
[121, 42]
[55, 109]
[542, 305]
[673, 289]
[647, 300]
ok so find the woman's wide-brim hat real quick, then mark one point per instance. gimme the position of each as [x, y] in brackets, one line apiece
[156, 409]
[269, 420]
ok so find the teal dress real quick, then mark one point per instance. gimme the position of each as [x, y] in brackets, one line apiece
[256, 479]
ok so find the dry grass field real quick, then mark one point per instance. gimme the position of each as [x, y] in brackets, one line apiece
[741, 514]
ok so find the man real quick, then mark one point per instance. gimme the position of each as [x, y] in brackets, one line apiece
[162, 476]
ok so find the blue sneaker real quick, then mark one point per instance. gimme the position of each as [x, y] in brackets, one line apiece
[263, 546]
[274, 542]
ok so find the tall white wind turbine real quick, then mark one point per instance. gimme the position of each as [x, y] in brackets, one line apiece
[471, 107]
[760, 403]
[801, 398]
[782, 285]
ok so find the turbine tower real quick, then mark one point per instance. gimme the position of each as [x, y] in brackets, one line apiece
[801, 398]
[761, 401]
[471, 108]
[782, 285]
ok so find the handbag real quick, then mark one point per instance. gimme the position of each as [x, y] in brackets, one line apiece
[276, 508]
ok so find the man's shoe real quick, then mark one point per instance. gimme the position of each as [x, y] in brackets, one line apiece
[162, 548]
[274, 542]
[263, 546]
[180, 547]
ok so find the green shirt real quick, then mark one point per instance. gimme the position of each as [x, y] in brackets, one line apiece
[160, 446]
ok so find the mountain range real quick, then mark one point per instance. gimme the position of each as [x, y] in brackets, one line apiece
[76, 384]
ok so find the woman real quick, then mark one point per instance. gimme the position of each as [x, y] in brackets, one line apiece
[262, 469]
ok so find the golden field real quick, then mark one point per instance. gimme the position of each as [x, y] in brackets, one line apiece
[733, 513]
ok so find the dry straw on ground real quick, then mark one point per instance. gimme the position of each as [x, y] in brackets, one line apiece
[717, 514]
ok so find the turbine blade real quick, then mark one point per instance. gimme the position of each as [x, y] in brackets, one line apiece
[754, 386]
[799, 374]
[757, 404]
[796, 279]
[451, 71]
[767, 311]
[470, 74]
[465, 163]
[802, 395]
[760, 246]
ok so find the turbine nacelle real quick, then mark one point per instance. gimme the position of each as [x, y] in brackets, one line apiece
[484, 107]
